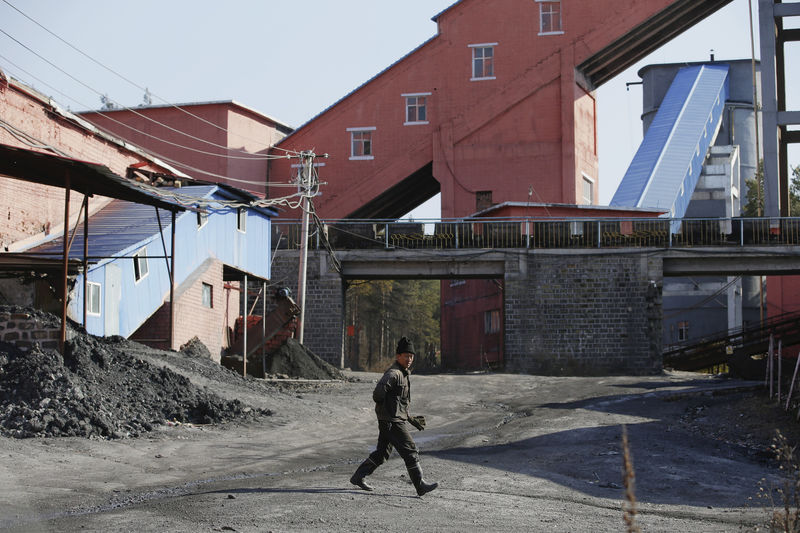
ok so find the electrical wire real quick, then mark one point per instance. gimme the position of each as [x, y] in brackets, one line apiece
[162, 156]
[121, 76]
[125, 108]
[28, 140]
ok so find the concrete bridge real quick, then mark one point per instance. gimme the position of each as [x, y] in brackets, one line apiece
[586, 309]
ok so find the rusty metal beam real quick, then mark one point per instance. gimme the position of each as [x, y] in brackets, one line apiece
[63, 334]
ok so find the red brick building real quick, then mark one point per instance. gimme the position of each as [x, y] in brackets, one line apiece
[498, 107]
[221, 142]
[499, 103]
[33, 121]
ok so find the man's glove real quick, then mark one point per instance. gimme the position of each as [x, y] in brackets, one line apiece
[417, 421]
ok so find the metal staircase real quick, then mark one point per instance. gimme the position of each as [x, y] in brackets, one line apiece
[736, 347]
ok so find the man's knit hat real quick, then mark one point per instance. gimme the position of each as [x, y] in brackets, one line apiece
[405, 346]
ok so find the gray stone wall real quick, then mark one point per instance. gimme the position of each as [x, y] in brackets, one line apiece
[583, 315]
[324, 327]
[25, 330]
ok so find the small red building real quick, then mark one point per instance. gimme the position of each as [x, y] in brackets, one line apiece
[221, 142]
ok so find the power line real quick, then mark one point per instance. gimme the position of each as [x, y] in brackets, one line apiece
[125, 78]
[161, 156]
[122, 107]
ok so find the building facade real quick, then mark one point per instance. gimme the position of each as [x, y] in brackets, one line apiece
[221, 142]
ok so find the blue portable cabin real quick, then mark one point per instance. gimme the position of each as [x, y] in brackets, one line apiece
[130, 244]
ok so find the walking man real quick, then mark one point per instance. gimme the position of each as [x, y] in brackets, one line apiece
[392, 396]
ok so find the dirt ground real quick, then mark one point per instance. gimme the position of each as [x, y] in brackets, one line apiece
[510, 452]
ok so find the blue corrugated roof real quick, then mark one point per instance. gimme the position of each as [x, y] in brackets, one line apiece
[667, 165]
[120, 226]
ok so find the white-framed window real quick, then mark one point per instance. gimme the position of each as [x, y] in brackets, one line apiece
[207, 296]
[416, 108]
[483, 61]
[140, 265]
[491, 321]
[241, 219]
[361, 146]
[587, 189]
[550, 17]
[93, 294]
[202, 218]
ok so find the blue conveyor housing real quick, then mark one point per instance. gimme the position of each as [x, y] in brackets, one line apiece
[668, 163]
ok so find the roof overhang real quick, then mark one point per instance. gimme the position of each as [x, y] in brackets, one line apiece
[26, 262]
[87, 178]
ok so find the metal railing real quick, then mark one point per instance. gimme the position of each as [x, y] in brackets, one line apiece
[543, 233]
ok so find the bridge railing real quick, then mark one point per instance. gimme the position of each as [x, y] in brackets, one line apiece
[541, 233]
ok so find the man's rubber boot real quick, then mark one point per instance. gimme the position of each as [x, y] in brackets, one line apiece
[365, 469]
[415, 473]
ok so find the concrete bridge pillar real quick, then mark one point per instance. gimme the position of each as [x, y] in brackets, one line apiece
[587, 314]
[324, 317]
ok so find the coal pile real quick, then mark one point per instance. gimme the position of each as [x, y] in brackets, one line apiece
[100, 388]
[294, 360]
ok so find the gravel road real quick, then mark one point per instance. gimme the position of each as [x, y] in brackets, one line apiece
[510, 452]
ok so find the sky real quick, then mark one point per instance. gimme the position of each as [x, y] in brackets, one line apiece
[292, 60]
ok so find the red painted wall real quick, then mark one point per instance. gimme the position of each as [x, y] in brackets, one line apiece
[464, 305]
[783, 295]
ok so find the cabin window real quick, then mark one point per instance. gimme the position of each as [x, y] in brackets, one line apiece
[93, 293]
[361, 143]
[208, 296]
[140, 264]
[416, 108]
[549, 17]
[483, 61]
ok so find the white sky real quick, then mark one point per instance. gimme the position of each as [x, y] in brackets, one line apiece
[291, 60]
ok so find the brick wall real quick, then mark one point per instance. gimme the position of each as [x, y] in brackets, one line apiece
[191, 318]
[324, 329]
[24, 330]
[584, 315]
[33, 211]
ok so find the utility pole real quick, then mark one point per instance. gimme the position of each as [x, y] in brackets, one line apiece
[306, 182]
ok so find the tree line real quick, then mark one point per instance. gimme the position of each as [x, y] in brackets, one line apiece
[379, 312]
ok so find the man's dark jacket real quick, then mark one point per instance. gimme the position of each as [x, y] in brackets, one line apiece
[392, 394]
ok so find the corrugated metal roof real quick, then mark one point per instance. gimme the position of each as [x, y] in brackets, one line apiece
[120, 227]
[667, 165]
